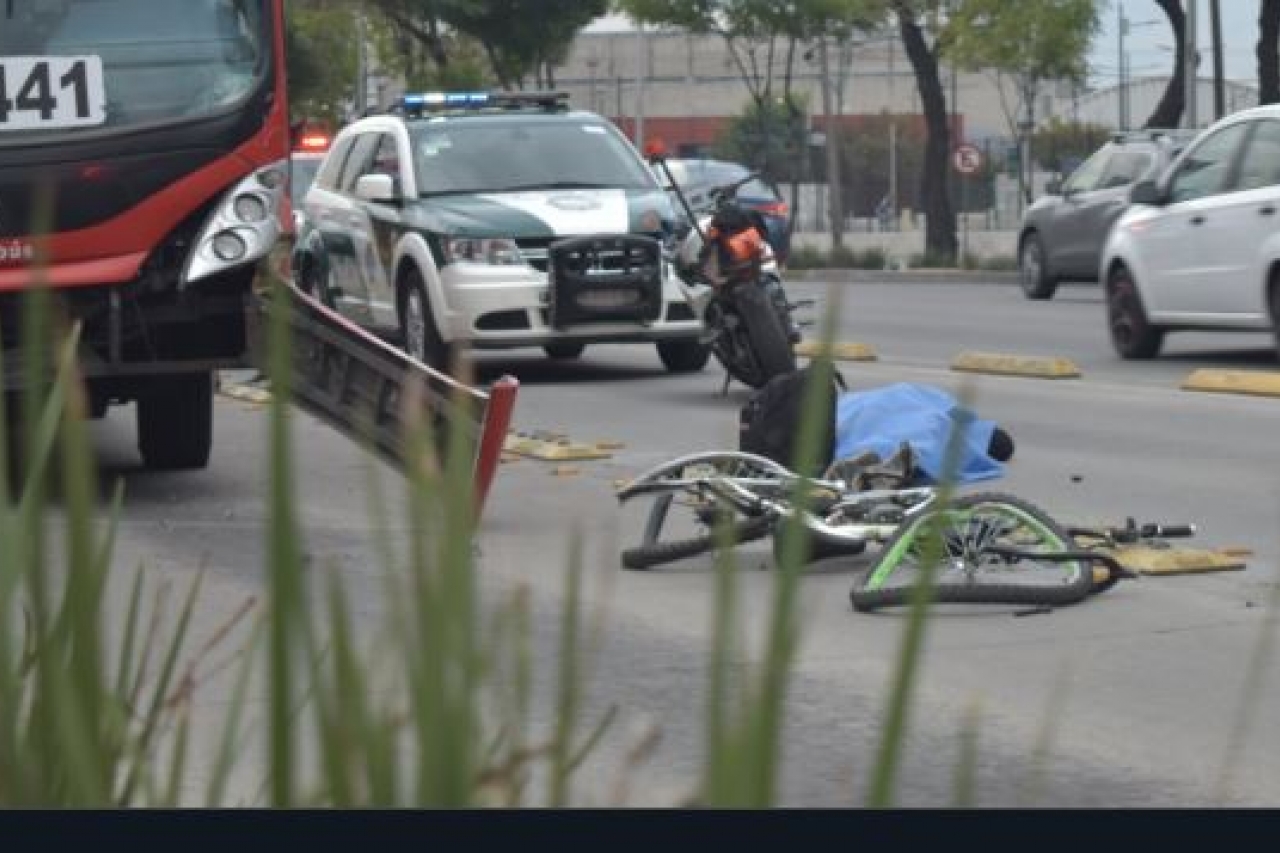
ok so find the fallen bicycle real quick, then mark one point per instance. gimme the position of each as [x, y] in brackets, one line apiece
[985, 547]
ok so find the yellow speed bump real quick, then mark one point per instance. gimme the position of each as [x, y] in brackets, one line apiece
[1015, 365]
[556, 450]
[839, 351]
[1256, 382]
[1178, 561]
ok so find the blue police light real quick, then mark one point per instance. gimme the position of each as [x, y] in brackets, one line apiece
[418, 103]
[427, 100]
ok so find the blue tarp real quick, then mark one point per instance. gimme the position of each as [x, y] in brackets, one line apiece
[881, 419]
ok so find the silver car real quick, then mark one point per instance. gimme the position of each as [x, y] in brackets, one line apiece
[1063, 233]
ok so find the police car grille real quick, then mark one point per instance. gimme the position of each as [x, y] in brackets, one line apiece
[534, 251]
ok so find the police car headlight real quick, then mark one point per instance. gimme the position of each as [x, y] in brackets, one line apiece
[493, 251]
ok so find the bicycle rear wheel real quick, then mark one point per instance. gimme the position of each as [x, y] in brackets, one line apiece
[987, 548]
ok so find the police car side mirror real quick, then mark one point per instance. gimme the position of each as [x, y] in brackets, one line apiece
[377, 188]
[1054, 187]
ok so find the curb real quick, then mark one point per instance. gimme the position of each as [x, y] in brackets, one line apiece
[931, 276]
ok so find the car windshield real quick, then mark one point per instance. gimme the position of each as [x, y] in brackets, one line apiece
[121, 63]
[697, 178]
[503, 155]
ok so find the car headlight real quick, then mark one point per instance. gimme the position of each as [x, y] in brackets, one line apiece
[493, 251]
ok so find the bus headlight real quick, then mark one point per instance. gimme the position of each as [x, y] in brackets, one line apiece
[243, 228]
[250, 208]
[229, 247]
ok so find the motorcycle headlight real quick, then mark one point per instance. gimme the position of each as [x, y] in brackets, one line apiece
[492, 251]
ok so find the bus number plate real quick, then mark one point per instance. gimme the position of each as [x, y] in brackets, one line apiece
[51, 92]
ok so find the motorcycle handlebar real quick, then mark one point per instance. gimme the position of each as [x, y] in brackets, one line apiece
[725, 192]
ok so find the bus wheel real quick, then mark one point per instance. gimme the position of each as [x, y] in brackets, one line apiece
[175, 422]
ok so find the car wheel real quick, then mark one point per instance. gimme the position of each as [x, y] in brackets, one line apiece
[315, 285]
[1033, 269]
[686, 356]
[1132, 334]
[417, 324]
[564, 350]
[175, 422]
[1275, 307]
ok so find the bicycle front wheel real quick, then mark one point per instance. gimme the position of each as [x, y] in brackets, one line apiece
[655, 550]
[987, 548]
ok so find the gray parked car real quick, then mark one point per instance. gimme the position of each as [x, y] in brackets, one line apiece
[1063, 233]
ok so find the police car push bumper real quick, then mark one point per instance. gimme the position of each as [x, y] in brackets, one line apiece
[496, 307]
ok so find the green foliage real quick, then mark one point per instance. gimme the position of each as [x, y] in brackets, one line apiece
[839, 257]
[519, 39]
[772, 138]
[866, 163]
[801, 19]
[1033, 40]
[322, 60]
[1059, 145]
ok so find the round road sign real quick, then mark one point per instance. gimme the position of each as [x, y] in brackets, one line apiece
[967, 159]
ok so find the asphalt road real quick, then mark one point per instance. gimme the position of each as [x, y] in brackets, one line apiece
[1132, 698]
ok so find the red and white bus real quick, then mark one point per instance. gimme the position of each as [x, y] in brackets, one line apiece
[144, 150]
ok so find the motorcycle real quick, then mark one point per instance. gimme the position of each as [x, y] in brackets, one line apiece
[745, 309]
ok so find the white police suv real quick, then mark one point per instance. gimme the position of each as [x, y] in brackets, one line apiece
[488, 221]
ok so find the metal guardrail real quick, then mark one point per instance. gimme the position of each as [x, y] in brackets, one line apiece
[364, 388]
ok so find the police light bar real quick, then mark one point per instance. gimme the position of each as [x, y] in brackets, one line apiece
[421, 102]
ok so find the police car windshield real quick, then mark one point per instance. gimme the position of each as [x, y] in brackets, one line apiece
[507, 155]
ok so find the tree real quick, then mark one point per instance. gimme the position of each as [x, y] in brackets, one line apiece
[865, 159]
[1032, 42]
[420, 21]
[1269, 52]
[923, 36]
[322, 59]
[764, 39]
[520, 38]
[1060, 146]
[1168, 112]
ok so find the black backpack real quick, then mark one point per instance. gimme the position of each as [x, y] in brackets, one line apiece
[769, 422]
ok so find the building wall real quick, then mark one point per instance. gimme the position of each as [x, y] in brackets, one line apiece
[684, 76]
[1104, 106]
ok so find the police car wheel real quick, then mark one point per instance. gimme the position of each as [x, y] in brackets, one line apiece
[417, 325]
[684, 356]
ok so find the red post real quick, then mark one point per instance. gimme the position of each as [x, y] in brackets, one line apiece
[493, 433]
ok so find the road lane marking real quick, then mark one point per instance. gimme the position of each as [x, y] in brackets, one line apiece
[1015, 365]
